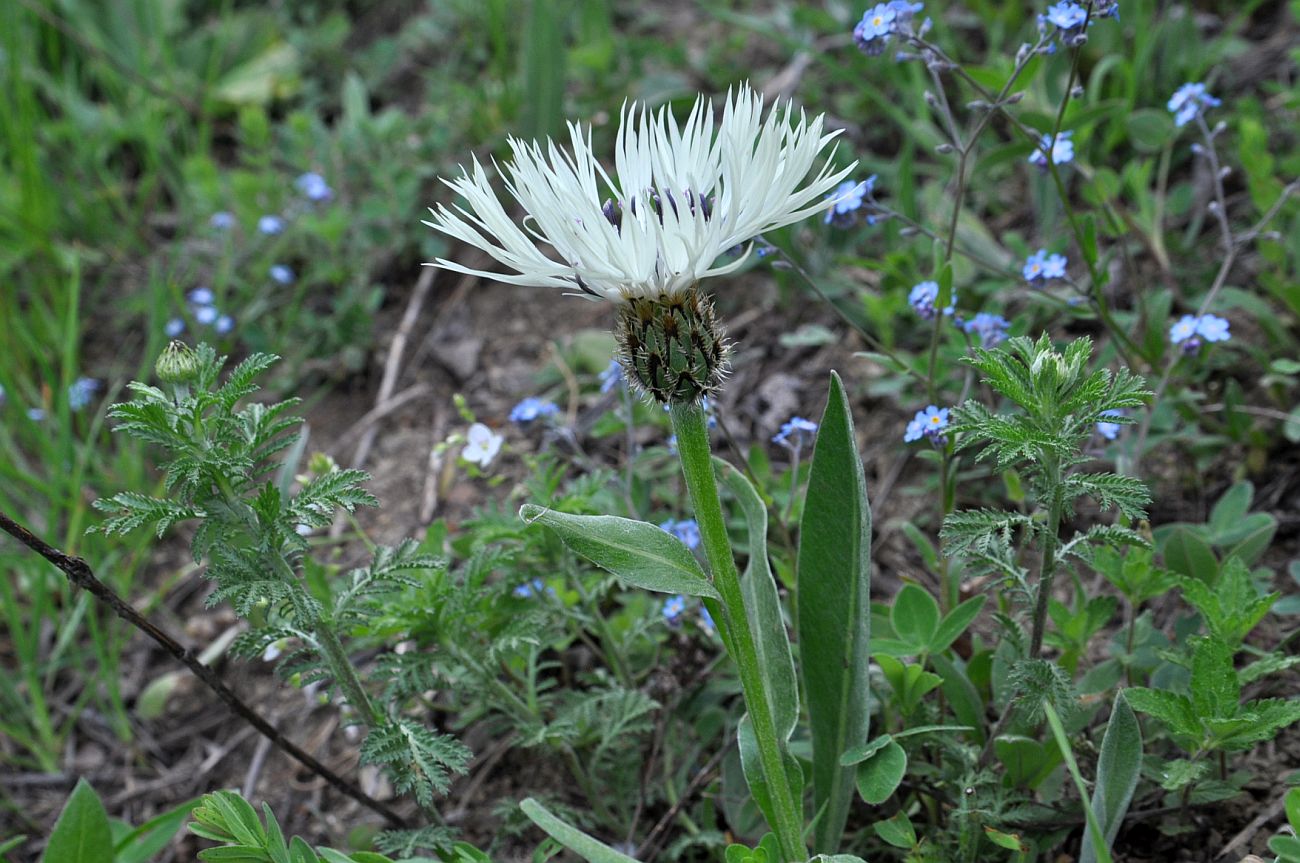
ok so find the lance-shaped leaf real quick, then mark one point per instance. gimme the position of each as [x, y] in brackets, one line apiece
[589, 849]
[637, 553]
[1117, 775]
[834, 629]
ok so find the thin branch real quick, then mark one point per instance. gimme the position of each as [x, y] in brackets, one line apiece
[81, 575]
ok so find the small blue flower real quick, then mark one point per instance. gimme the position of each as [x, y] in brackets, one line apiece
[282, 274]
[1040, 265]
[174, 327]
[1062, 150]
[531, 408]
[1191, 331]
[924, 295]
[536, 587]
[991, 329]
[2, 395]
[1190, 101]
[1109, 430]
[36, 415]
[1066, 16]
[687, 530]
[674, 607]
[849, 197]
[223, 324]
[706, 620]
[927, 423]
[270, 225]
[313, 186]
[201, 297]
[222, 220]
[795, 433]
[881, 22]
[81, 391]
[612, 376]
[206, 315]
[1213, 328]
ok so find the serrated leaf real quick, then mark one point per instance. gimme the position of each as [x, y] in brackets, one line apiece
[636, 553]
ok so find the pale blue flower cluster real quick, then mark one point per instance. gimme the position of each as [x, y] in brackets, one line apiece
[270, 225]
[536, 587]
[1190, 331]
[81, 392]
[852, 201]
[687, 530]
[991, 329]
[533, 408]
[929, 423]
[222, 221]
[795, 433]
[313, 187]
[1062, 150]
[923, 297]
[881, 22]
[1109, 430]
[203, 307]
[282, 274]
[1042, 266]
[1189, 102]
[674, 608]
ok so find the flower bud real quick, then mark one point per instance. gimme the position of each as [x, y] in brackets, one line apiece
[177, 364]
[672, 347]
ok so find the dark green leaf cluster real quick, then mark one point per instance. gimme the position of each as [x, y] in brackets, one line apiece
[227, 818]
[418, 760]
[1212, 716]
[1038, 681]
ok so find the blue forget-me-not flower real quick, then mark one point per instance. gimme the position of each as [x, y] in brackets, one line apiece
[924, 295]
[313, 186]
[81, 391]
[612, 376]
[795, 433]
[687, 530]
[282, 274]
[1190, 101]
[1041, 265]
[222, 221]
[674, 607]
[1062, 150]
[1109, 430]
[991, 329]
[1190, 331]
[927, 423]
[850, 198]
[532, 408]
[882, 21]
[270, 225]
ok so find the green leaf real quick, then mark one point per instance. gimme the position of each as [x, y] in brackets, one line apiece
[1286, 847]
[1230, 509]
[763, 607]
[1150, 129]
[589, 849]
[858, 754]
[896, 831]
[878, 777]
[963, 697]
[1063, 742]
[915, 616]
[1010, 841]
[834, 624]
[955, 622]
[1188, 553]
[82, 833]
[1118, 768]
[1216, 692]
[637, 553]
[147, 840]
[1170, 708]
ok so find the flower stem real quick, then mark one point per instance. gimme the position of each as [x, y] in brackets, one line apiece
[1048, 568]
[693, 449]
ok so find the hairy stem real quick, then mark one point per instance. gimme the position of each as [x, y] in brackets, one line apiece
[693, 448]
[1047, 571]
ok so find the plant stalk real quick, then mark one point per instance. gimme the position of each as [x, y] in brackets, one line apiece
[1047, 570]
[693, 449]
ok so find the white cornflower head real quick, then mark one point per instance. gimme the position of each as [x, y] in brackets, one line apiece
[681, 195]
[482, 445]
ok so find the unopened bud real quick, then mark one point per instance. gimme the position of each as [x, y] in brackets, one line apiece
[321, 463]
[177, 364]
[672, 347]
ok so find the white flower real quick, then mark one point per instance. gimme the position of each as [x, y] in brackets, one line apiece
[482, 445]
[680, 197]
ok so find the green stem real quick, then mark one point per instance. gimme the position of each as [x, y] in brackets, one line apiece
[1048, 568]
[344, 674]
[693, 449]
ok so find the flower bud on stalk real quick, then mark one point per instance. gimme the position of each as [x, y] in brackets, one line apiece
[672, 346]
[178, 365]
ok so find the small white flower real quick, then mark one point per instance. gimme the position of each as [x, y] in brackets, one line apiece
[481, 445]
[680, 197]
